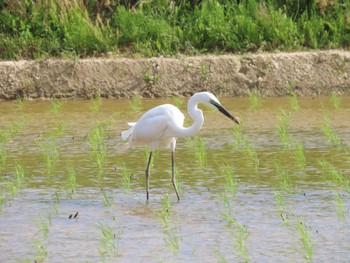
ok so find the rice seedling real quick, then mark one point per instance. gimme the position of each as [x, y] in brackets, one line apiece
[49, 150]
[241, 237]
[3, 201]
[336, 100]
[56, 106]
[164, 213]
[198, 144]
[231, 182]
[107, 201]
[107, 248]
[71, 179]
[178, 101]
[255, 100]
[220, 257]
[300, 155]
[11, 188]
[3, 154]
[55, 204]
[173, 242]
[43, 225]
[42, 252]
[283, 126]
[178, 180]
[126, 176]
[96, 103]
[281, 202]
[336, 176]
[330, 134]
[253, 155]
[294, 102]
[340, 206]
[283, 175]
[306, 240]
[97, 146]
[136, 104]
[239, 139]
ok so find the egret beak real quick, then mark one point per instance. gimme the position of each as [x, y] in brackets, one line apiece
[225, 112]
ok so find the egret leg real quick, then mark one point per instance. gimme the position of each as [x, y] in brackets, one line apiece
[147, 175]
[173, 180]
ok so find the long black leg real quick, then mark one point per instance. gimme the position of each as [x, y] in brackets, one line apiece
[147, 175]
[173, 180]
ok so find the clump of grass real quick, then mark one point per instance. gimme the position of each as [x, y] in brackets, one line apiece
[300, 155]
[255, 100]
[283, 127]
[336, 100]
[306, 240]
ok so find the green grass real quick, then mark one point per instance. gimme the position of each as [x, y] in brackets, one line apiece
[306, 240]
[74, 29]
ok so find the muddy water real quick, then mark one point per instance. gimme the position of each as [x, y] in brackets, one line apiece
[35, 224]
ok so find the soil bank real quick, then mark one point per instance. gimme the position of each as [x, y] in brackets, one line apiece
[271, 74]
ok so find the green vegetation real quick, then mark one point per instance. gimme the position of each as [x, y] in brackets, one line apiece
[39, 29]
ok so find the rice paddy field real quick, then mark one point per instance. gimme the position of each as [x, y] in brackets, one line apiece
[274, 189]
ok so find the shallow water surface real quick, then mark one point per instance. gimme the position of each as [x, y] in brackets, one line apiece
[66, 159]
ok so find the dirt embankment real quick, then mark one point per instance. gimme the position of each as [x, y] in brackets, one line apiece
[277, 74]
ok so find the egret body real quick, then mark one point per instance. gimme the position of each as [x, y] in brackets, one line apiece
[162, 125]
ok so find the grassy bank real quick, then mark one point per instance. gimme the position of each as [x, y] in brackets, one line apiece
[59, 28]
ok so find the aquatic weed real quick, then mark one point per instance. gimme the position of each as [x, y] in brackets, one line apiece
[126, 176]
[340, 206]
[300, 154]
[284, 178]
[336, 100]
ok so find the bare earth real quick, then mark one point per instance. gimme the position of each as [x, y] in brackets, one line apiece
[271, 74]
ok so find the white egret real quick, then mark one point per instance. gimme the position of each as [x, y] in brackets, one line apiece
[162, 125]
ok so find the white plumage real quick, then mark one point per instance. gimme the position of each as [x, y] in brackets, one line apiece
[162, 125]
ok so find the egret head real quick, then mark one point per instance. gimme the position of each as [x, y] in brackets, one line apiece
[209, 99]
